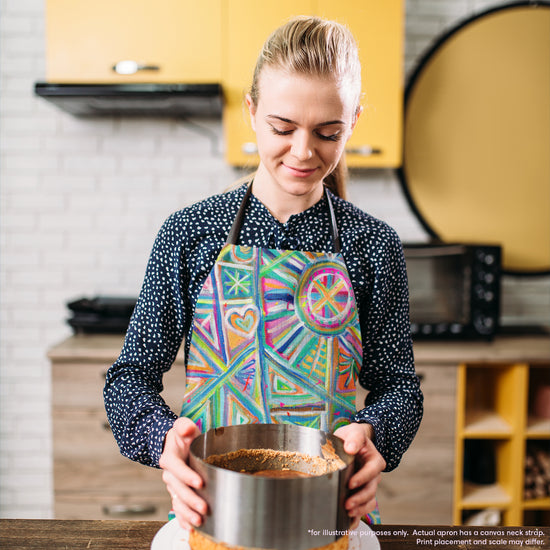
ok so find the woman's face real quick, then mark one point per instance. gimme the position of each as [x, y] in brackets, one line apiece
[302, 124]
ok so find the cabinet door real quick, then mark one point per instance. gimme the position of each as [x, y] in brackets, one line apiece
[91, 479]
[425, 474]
[248, 23]
[86, 39]
[378, 28]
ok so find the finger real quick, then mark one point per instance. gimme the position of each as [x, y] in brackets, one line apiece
[185, 493]
[176, 484]
[354, 437]
[178, 438]
[371, 462]
[370, 470]
[182, 434]
[186, 428]
[357, 513]
[365, 495]
[174, 466]
[186, 501]
[194, 507]
[186, 517]
[353, 445]
[176, 451]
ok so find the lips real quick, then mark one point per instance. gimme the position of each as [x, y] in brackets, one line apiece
[299, 172]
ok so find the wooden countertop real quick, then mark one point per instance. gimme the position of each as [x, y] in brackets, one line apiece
[92, 347]
[521, 349]
[36, 534]
[531, 349]
[26, 534]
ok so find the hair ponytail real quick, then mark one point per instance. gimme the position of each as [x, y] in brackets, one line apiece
[336, 181]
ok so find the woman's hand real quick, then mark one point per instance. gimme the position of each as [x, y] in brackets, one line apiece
[358, 441]
[180, 479]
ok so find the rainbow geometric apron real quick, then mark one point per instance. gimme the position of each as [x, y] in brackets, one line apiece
[275, 338]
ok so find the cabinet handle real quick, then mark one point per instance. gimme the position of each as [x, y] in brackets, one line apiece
[249, 148]
[131, 67]
[364, 150]
[129, 509]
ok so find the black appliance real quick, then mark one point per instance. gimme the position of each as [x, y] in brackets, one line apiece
[134, 99]
[102, 314]
[454, 290]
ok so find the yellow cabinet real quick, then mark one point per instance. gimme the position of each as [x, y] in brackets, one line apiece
[170, 41]
[378, 29]
[217, 41]
[248, 23]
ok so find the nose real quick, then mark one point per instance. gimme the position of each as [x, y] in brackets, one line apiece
[301, 147]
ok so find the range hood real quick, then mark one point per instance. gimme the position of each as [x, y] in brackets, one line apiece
[134, 99]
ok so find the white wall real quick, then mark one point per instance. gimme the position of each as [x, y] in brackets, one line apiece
[81, 201]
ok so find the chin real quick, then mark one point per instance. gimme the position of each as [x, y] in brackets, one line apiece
[301, 191]
[300, 188]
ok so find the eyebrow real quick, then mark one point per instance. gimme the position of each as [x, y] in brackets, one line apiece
[289, 121]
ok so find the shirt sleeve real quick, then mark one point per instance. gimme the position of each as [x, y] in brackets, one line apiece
[138, 416]
[394, 404]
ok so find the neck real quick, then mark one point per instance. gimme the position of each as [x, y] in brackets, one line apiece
[283, 203]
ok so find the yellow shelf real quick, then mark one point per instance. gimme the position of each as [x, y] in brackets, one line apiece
[538, 427]
[484, 496]
[486, 424]
[537, 504]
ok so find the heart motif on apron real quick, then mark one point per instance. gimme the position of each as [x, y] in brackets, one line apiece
[243, 320]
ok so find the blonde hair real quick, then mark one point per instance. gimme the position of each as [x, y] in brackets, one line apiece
[309, 45]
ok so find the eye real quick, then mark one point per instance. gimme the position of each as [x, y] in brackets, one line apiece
[280, 131]
[330, 137]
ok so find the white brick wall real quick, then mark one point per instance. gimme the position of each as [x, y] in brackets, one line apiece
[81, 201]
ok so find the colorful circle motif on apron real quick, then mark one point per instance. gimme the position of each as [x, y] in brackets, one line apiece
[275, 338]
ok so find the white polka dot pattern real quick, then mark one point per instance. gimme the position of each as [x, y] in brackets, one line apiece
[183, 255]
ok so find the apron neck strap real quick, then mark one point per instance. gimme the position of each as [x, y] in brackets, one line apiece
[333, 224]
[233, 236]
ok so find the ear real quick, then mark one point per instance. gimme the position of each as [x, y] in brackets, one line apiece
[251, 110]
[358, 111]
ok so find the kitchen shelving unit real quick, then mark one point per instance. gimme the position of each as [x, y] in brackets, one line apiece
[494, 412]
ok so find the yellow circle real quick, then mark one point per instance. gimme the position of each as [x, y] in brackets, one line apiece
[477, 136]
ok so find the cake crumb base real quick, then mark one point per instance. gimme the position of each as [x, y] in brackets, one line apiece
[199, 541]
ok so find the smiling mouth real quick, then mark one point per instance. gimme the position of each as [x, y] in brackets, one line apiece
[300, 172]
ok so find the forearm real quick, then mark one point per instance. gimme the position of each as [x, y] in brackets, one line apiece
[138, 416]
[394, 413]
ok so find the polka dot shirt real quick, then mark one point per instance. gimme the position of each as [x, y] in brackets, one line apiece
[183, 254]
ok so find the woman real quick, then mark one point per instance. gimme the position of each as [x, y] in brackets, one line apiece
[285, 292]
